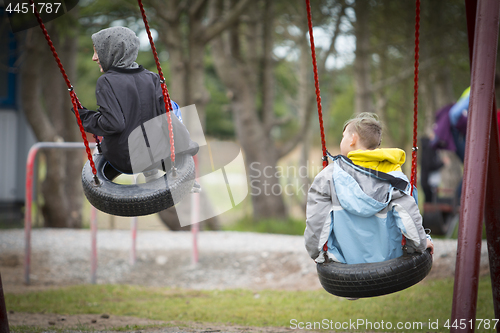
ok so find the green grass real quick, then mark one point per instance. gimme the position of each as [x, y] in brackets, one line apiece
[287, 227]
[427, 301]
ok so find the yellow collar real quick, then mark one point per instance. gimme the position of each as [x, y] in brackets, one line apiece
[381, 159]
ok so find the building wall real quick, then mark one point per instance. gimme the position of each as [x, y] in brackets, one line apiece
[8, 152]
[16, 136]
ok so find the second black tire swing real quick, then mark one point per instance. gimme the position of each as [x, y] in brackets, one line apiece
[381, 278]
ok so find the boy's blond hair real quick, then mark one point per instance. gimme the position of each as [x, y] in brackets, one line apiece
[368, 127]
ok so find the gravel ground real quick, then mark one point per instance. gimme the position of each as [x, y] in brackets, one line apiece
[226, 260]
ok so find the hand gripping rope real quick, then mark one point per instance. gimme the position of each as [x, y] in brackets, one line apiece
[74, 99]
[166, 96]
[316, 84]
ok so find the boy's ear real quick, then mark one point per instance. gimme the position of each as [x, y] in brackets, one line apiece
[354, 139]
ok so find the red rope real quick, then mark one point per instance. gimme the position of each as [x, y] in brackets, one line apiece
[74, 99]
[316, 84]
[166, 96]
[415, 99]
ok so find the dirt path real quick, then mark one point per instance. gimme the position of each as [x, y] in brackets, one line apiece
[105, 323]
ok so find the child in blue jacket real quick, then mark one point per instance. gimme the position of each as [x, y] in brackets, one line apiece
[359, 207]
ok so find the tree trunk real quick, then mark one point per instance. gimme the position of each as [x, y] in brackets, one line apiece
[73, 158]
[184, 30]
[172, 37]
[197, 93]
[238, 75]
[46, 109]
[382, 100]
[260, 156]
[362, 79]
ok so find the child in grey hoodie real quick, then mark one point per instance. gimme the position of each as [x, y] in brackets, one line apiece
[127, 95]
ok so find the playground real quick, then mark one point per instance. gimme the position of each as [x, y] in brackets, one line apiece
[363, 230]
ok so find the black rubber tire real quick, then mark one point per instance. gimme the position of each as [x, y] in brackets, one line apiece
[375, 279]
[139, 199]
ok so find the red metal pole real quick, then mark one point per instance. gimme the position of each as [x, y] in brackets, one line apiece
[4, 320]
[476, 163]
[492, 214]
[492, 218]
[27, 214]
[195, 216]
[133, 234]
[30, 162]
[93, 245]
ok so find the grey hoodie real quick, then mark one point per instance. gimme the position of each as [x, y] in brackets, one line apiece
[116, 47]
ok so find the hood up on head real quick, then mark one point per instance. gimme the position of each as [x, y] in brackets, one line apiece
[116, 47]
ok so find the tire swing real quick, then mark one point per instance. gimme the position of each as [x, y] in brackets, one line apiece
[98, 174]
[136, 199]
[381, 278]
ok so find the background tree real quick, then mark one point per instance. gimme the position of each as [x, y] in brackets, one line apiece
[383, 66]
[245, 61]
[362, 62]
[247, 67]
[185, 31]
[46, 104]
[327, 20]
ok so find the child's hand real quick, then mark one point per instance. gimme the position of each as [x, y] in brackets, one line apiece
[430, 245]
